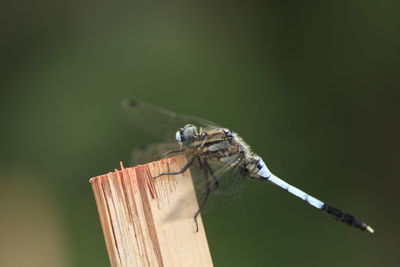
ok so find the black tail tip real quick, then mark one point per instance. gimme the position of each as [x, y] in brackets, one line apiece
[347, 219]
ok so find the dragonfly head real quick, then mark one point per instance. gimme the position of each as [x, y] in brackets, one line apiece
[186, 135]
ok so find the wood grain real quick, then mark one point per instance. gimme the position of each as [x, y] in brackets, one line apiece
[149, 222]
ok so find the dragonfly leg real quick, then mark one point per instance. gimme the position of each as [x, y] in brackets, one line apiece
[201, 206]
[208, 190]
[213, 183]
[214, 179]
[205, 136]
[188, 164]
[172, 152]
[207, 171]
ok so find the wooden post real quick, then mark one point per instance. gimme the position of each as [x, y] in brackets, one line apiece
[149, 222]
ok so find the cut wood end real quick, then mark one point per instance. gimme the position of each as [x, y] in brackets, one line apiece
[139, 216]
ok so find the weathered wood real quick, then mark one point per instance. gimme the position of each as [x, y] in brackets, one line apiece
[149, 222]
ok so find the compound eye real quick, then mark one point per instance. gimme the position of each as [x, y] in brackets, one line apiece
[179, 136]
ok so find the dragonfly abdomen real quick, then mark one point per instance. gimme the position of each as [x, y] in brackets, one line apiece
[331, 211]
[295, 191]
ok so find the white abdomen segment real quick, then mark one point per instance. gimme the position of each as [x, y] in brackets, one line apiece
[295, 191]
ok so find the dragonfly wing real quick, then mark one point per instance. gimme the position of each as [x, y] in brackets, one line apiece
[158, 122]
[151, 152]
[231, 183]
[226, 186]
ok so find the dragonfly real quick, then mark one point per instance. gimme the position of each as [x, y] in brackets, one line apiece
[220, 159]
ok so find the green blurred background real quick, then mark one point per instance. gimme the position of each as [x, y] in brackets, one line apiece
[311, 86]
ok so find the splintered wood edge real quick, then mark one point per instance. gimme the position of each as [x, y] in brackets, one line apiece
[133, 208]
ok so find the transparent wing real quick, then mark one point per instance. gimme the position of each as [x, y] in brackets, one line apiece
[231, 184]
[226, 186]
[158, 122]
[151, 152]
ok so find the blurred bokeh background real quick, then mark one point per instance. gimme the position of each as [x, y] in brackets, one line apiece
[312, 87]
